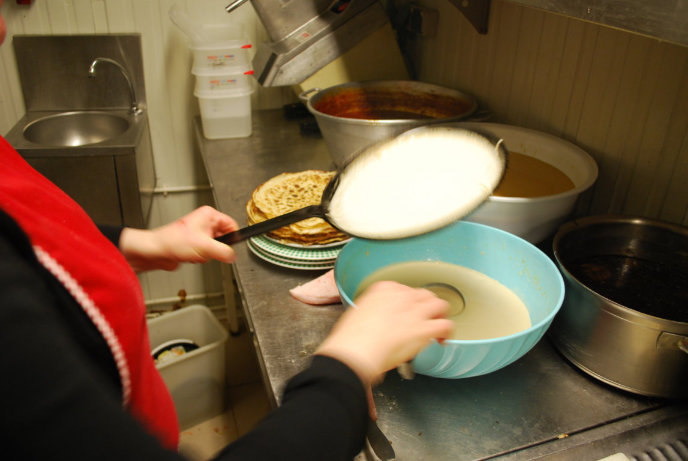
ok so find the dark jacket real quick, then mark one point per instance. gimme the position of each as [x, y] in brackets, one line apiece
[60, 396]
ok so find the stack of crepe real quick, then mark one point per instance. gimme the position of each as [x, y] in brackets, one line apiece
[288, 192]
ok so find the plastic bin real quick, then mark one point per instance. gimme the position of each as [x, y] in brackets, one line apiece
[238, 77]
[225, 113]
[219, 56]
[197, 380]
[201, 34]
[220, 34]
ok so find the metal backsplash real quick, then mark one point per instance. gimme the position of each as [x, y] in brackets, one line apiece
[53, 70]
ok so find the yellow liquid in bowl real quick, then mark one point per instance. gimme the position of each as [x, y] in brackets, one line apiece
[529, 177]
[491, 310]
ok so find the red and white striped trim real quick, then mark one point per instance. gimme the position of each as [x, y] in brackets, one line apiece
[94, 314]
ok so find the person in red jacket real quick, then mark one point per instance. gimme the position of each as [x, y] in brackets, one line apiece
[78, 381]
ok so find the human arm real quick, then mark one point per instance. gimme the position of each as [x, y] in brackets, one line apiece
[324, 413]
[59, 394]
[389, 326]
[191, 238]
[61, 397]
[59, 401]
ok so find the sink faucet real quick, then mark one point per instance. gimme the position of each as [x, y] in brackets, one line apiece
[134, 109]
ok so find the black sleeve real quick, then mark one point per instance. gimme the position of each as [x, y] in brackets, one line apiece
[323, 416]
[54, 403]
[112, 233]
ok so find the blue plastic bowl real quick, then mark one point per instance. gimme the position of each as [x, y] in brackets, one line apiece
[510, 260]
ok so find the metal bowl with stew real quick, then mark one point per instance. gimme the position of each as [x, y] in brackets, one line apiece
[355, 115]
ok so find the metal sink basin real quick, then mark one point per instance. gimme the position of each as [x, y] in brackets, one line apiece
[79, 128]
[102, 158]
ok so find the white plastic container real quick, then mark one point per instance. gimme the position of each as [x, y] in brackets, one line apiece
[197, 380]
[220, 34]
[225, 113]
[218, 47]
[238, 77]
[202, 34]
[220, 56]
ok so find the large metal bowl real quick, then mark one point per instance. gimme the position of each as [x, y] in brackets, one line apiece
[512, 261]
[625, 316]
[353, 116]
[535, 218]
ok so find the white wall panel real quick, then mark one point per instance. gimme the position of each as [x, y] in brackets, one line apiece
[622, 97]
[61, 17]
[10, 95]
[84, 19]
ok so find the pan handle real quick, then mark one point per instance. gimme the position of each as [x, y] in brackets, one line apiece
[668, 340]
[683, 344]
[234, 5]
[313, 211]
[306, 95]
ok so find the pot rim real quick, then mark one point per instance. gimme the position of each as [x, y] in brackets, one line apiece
[312, 95]
[611, 306]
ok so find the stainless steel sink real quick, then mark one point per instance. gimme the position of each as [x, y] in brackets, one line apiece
[102, 158]
[78, 128]
[91, 138]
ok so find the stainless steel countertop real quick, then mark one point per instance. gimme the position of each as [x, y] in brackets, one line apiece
[538, 407]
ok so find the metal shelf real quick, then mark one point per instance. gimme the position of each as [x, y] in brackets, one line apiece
[665, 20]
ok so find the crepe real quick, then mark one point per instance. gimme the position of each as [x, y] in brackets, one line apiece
[288, 192]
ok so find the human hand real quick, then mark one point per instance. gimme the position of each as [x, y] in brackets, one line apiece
[188, 239]
[390, 324]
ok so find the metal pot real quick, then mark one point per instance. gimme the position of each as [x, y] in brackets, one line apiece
[625, 315]
[535, 218]
[352, 116]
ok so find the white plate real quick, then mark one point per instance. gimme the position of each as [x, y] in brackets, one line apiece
[295, 254]
[288, 264]
[290, 260]
[296, 245]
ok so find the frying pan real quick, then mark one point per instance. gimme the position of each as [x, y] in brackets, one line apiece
[420, 181]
